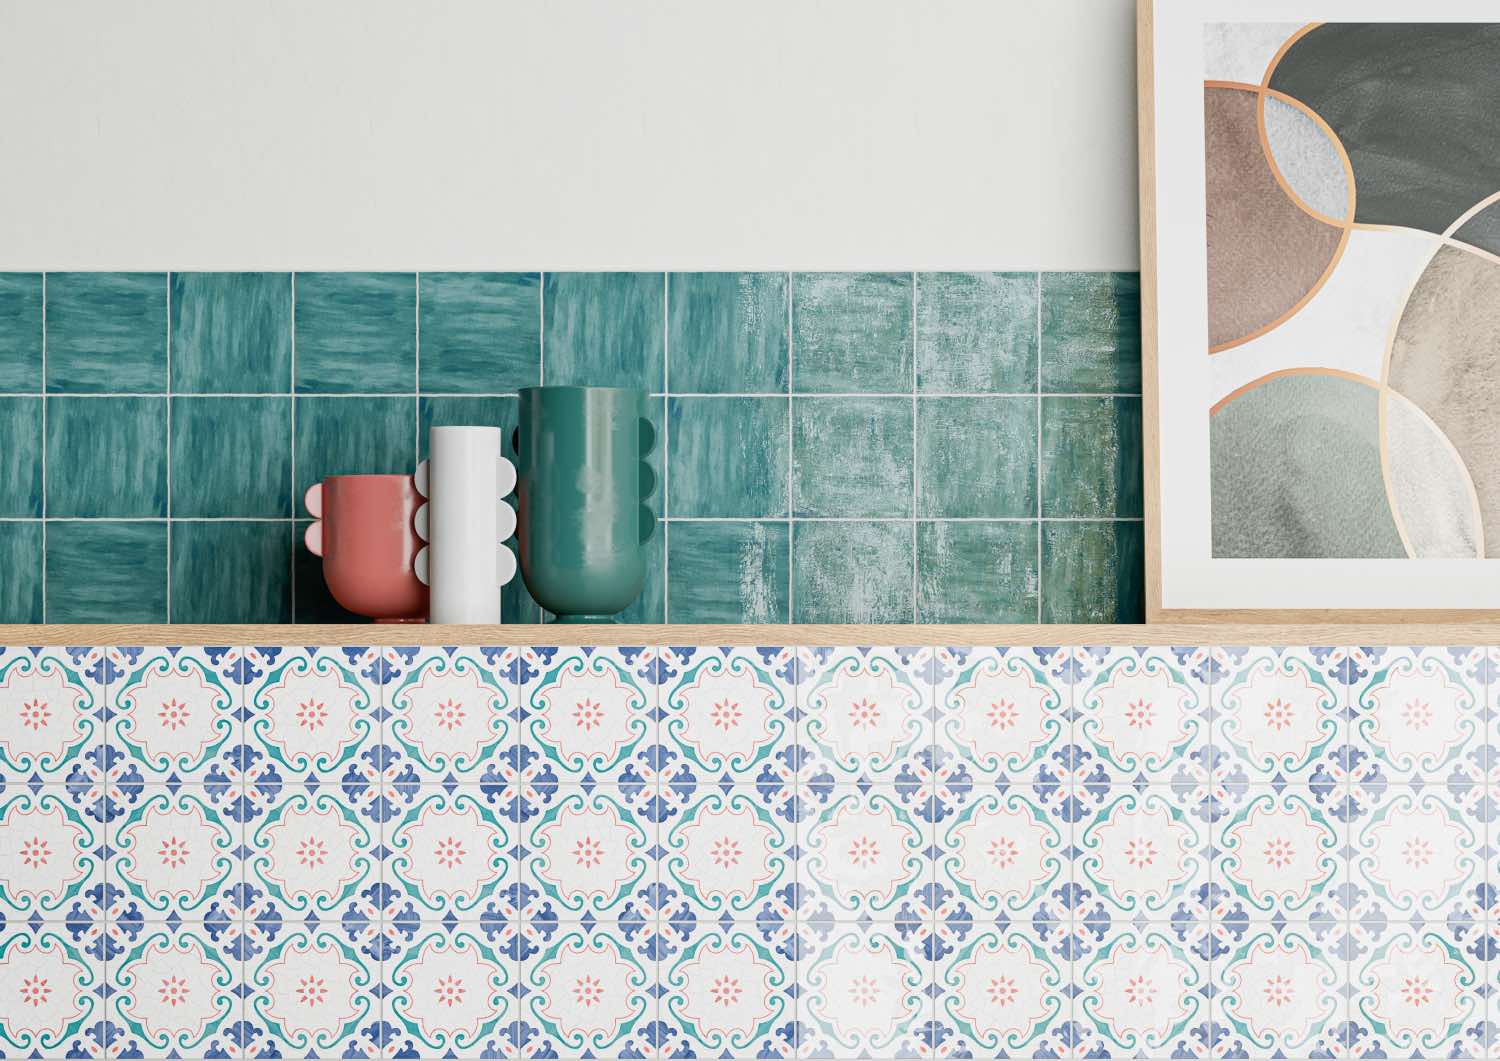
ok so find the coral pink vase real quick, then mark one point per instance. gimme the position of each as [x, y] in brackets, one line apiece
[368, 541]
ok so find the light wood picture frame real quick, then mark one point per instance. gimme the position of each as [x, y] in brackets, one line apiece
[1259, 280]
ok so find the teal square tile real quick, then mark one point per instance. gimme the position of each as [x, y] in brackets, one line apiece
[107, 457]
[107, 333]
[852, 333]
[232, 333]
[604, 329]
[1091, 457]
[469, 412]
[353, 436]
[728, 456]
[312, 602]
[977, 332]
[728, 572]
[21, 333]
[850, 572]
[727, 332]
[977, 572]
[481, 332]
[99, 571]
[1091, 333]
[976, 457]
[651, 605]
[20, 457]
[228, 572]
[1093, 572]
[232, 457]
[21, 560]
[852, 457]
[356, 333]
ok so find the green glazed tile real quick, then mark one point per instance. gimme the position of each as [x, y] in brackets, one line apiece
[232, 333]
[728, 573]
[852, 457]
[651, 605]
[1093, 572]
[100, 571]
[356, 333]
[21, 332]
[1091, 457]
[232, 456]
[20, 457]
[977, 572]
[227, 572]
[852, 332]
[976, 332]
[728, 456]
[1091, 332]
[481, 332]
[353, 436]
[107, 457]
[469, 412]
[107, 332]
[313, 603]
[852, 572]
[604, 329]
[976, 457]
[21, 559]
[727, 332]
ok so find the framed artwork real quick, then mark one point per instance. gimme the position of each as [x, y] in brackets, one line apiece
[1320, 199]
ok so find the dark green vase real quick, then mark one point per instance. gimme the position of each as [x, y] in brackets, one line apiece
[582, 485]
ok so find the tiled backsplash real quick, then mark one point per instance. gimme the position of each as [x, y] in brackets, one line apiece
[822, 853]
[838, 447]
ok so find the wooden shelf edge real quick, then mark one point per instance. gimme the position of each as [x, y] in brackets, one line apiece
[1210, 633]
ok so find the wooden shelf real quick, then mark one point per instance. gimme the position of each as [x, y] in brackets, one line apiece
[1158, 634]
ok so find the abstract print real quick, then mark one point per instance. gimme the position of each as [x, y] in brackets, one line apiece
[1353, 271]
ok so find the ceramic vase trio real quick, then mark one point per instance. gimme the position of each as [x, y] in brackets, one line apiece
[582, 520]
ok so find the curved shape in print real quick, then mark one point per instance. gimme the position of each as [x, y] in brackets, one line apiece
[1431, 493]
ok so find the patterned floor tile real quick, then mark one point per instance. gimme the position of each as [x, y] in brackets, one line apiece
[311, 991]
[728, 990]
[725, 712]
[1001, 719]
[589, 992]
[590, 714]
[590, 854]
[51, 707]
[450, 852]
[1141, 712]
[1281, 715]
[450, 990]
[1002, 993]
[1278, 992]
[310, 851]
[175, 715]
[176, 991]
[1143, 993]
[726, 852]
[1281, 853]
[311, 712]
[864, 854]
[865, 713]
[53, 991]
[451, 713]
[1138, 851]
[52, 849]
[175, 850]
[865, 991]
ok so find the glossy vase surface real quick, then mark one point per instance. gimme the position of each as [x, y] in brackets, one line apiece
[366, 537]
[582, 487]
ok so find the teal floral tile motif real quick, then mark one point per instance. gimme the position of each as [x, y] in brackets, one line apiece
[1141, 715]
[977, 332]
[731, 572]
[1280, 854]
[174, 992]
[863, 853]
[1263, 961]
[852, 332]
[1281, 714]
[175, 716]
[728, 456]
[449, 714]
[59, 988]
[728, 853]
[604, 329]
[1091, 332]
[232, 457]
[21, 555]
[172, 851]
[1027, 1012]
[54, 855]
[1091, 457]
[313, 711]
[231, 333]
[481, 332]
[106, 457]
[726, 711]
[1128, 961]
[1003, 856]
[1093, 572]
[852, 457]
[1417, 712]
[308, 990]
[589, 994]
[1000, 715]
[976, 457]
[727, 992]
[106, 332]
[447, 993]
[356, 333]
[864, 993]
[727, 332]
[20, 333]
[592, 713]
[977, 572]
[1141, 850]
[228, 571]
[311, 852]
[1422, 969]
[106, 572]
[450, 853]
[865, 713]
[20, 457]
[589, 855]
[852, 573]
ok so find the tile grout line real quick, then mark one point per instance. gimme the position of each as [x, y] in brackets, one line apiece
[541, 329]
[791, 456]
[292, 383]
[706, 395]
[416, 409]
[169, 446]
[44, 447]
[1038, 466]
[672, 519]
[916, 471]
[666, 441]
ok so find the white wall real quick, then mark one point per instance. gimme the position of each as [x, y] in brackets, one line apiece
[525, 134]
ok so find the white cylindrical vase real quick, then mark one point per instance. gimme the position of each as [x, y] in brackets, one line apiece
[462, 525]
